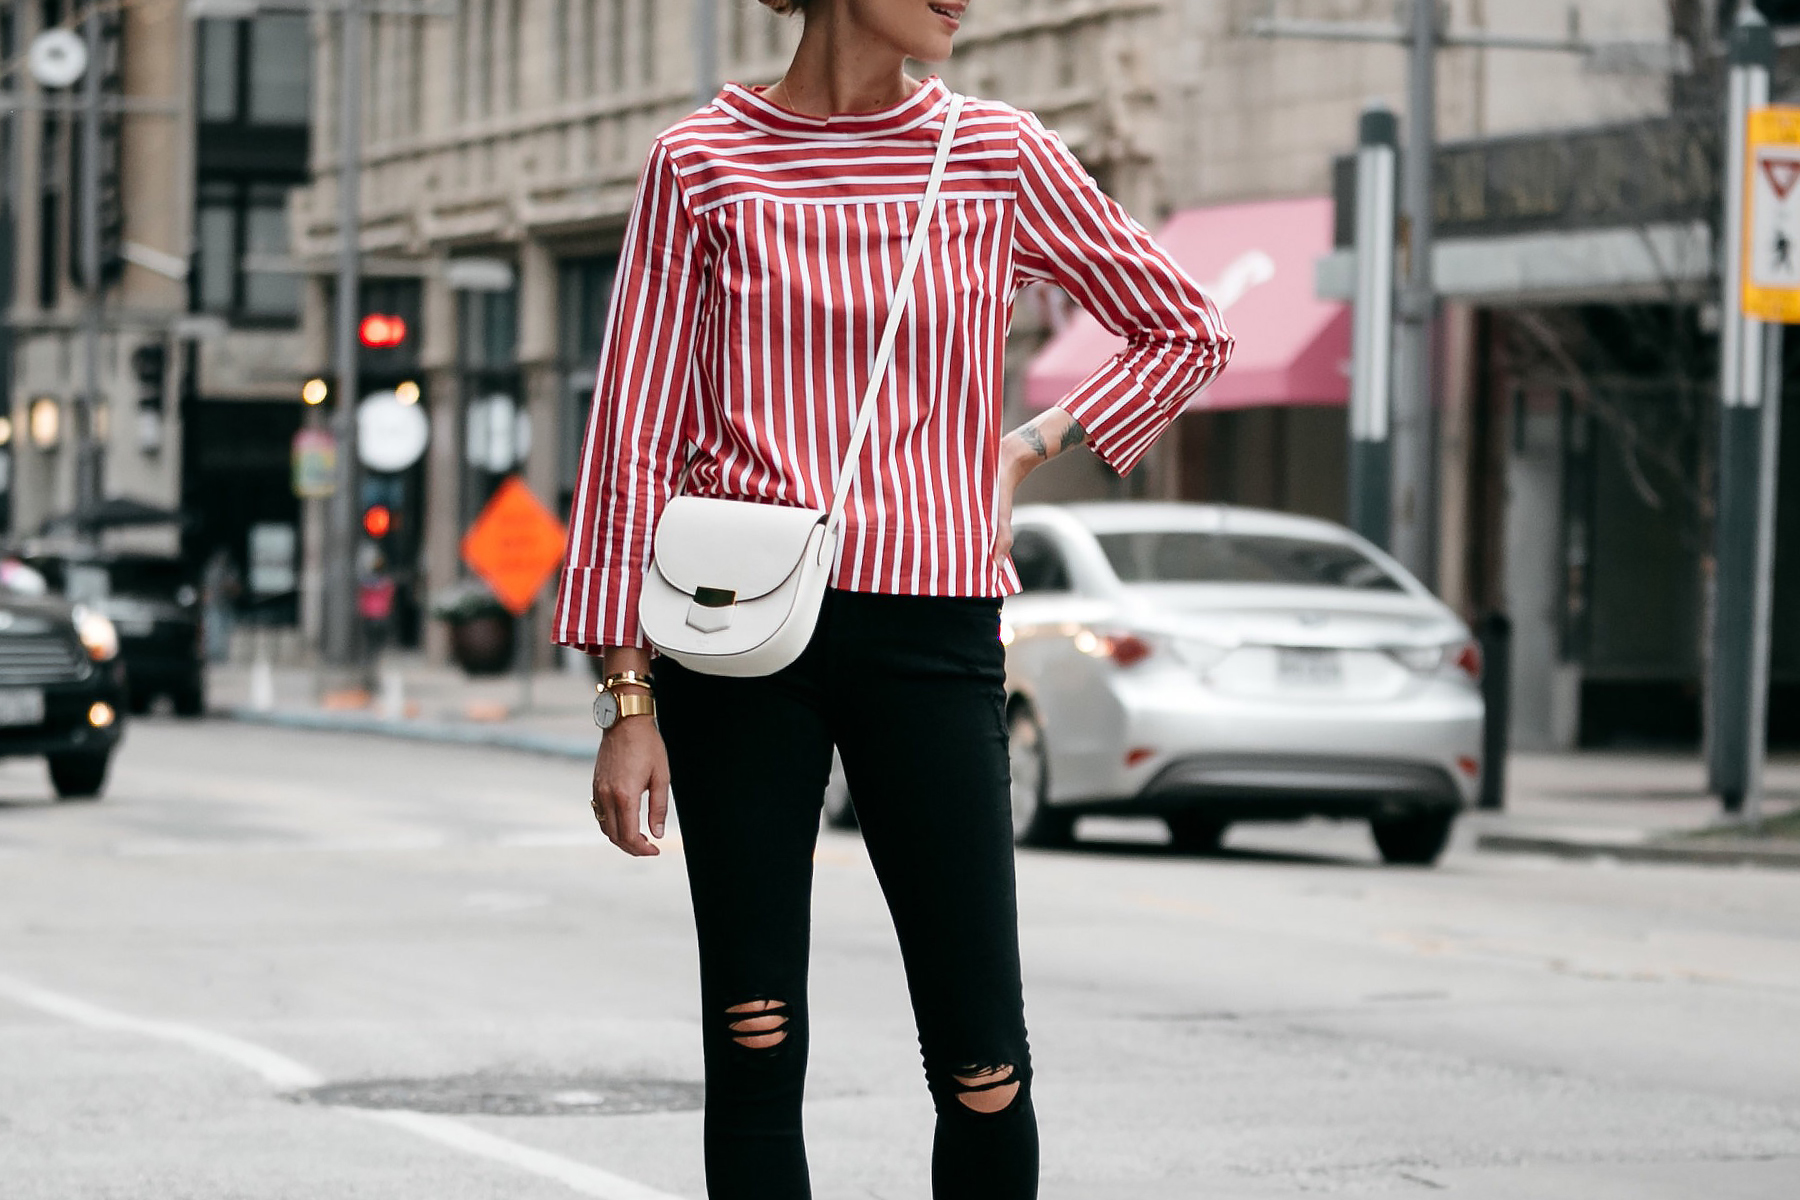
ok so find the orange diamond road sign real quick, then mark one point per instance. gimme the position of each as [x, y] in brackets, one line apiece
[515, 544]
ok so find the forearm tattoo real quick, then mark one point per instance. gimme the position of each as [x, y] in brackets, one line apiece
[1034, 441]
[1033, 437]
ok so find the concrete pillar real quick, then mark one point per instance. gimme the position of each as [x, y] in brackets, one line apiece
[443, 458]
[1455, 427]
[542, 398]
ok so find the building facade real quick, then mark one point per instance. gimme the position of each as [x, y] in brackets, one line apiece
[199, 316]
[500, 148]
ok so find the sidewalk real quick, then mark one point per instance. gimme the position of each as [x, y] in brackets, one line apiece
[1638, 807]
[440, 704]
[1630, 807]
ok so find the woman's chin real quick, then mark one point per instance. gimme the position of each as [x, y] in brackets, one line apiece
[936, 51]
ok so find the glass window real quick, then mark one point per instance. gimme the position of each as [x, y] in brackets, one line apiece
[1190, 556]
[216, 276]
[489, 329]
[268, 293]
[280, 67]
[218, 70]
[585, 286]
[1039, 563]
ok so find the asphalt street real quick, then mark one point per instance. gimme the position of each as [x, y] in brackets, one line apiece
[292, 964]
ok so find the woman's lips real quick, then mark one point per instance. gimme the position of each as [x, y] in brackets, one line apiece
[949, 13]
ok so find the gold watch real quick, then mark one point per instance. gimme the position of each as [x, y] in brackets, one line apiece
[610, 708]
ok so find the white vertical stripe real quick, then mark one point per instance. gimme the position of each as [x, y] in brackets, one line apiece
[773, 290]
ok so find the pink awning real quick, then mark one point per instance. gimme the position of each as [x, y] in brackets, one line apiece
[1256, 261]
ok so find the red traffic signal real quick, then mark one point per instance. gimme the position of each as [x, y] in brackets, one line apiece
[381, 331]
[377, 520]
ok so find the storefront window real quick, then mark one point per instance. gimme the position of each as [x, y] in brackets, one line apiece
[585, 285]
[496, 428]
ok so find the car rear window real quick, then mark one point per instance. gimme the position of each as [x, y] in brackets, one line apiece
[1191, 556]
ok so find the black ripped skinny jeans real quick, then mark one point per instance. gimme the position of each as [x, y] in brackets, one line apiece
[911, 690]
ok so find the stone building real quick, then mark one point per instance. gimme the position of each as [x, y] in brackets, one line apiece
[501, 146]
[198, 345]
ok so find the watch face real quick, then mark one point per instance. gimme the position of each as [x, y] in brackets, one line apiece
[606, 710]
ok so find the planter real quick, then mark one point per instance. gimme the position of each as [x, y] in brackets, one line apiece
[484, 645]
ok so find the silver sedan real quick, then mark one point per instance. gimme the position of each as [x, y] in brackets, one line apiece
[1210, 665]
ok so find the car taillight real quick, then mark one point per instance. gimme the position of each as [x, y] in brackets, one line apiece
[1468, 660]
[1126, 649]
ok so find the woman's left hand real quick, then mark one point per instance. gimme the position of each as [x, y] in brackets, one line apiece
[1016, 462]
[1029, 446]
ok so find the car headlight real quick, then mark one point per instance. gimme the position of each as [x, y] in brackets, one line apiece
[97, 633]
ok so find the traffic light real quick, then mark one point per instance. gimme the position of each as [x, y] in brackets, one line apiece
[150, 368]
[382, 331]
[377, 520]
[383, 506]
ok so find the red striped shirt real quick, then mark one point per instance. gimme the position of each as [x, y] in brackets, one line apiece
[751, 291]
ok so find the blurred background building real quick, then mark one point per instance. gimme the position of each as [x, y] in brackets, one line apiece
[1576, 196]
[200, 353]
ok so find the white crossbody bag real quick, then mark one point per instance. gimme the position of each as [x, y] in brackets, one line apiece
[734, 587]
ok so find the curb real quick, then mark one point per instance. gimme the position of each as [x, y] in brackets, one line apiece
[1720, 853]
[442, 732]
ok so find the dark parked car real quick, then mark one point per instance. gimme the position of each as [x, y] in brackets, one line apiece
[153, 602]
[62, 683]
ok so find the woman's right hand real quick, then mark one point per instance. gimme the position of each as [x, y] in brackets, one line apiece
[631, 761]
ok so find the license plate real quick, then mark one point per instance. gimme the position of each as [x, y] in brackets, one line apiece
[1309, 668]
[21, 706]
[135, 626]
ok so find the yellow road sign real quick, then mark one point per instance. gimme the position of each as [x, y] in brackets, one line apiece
[1771, 264]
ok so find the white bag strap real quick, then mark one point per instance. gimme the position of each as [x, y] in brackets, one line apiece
[915, 250]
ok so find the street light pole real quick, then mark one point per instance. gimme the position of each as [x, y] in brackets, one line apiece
[340, 534]
[1414, 468]
[88, 451]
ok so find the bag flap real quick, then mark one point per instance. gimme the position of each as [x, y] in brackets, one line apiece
[731, 545]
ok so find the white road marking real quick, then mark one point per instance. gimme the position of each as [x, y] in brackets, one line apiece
[283, 1072]
[589, 1181]
[276, 1069]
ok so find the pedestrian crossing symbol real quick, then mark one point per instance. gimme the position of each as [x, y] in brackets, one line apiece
[1771, 264]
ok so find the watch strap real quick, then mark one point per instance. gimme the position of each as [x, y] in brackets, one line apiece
[635, 705]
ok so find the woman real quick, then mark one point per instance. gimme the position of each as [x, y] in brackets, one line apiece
[753, 283]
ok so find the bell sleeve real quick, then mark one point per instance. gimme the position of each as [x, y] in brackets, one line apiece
[643, 413]
[1072, 234]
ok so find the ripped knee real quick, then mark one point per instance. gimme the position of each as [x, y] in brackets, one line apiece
[988, 1089]
[759, 1024]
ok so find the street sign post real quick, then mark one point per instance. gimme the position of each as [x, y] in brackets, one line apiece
[1762, 284]
[1372, 332]
[516, 544]
[315, 463]
[1771, 249]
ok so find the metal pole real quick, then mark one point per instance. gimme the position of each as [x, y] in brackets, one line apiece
[1762, 605]
[706, 51]
[1414, 497]
[340, 534]
[1372, 336]
[1741, 364]
[87, 449]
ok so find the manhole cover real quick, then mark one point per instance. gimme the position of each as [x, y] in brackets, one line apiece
[513, 1095]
